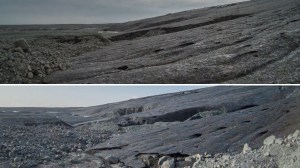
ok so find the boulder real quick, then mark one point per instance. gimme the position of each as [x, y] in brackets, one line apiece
[296, 134]
[270, 140]
[22, 43]
[170, 163]
[246, 149]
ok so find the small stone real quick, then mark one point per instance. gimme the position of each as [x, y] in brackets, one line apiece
[150, 160]
[197, 156]
[16, 159]
[279, 141]
[29, 68]
[296, 134]
[197, 164]
[49, 71]
[168, 164]
[233, 162]
[47, 158]
[60, 67]
[112, 159]
[270, 140]
[30, 75]
[64, 148]
[190, 159]
[267, 154]
[290, 137]
[56, 157]
[163, 159]
[246, 149]
[226, 157]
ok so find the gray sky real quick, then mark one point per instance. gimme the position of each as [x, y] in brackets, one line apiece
[79, 95]
[93, 11]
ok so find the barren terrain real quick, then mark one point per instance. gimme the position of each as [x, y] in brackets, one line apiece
[250, 42]
[196, 128]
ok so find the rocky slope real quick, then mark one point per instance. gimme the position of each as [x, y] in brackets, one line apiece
[250, 42]
[280, 152]
[28, 57]
[212, 122]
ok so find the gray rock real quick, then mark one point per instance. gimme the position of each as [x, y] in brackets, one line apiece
[56, 157]
[197, 164]
[189, 159]
[279, 141]
[246, 149]
[296, 134]
[22, 43]
[49, 71]
[47, 158]
[170, 163]
[162, 160]
[150, 160]
[30, 75]
[270, 140]
[17, 159]
[112, 159]
[29, 68]
[267, 154]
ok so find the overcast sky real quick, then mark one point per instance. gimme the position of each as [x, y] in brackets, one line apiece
[79, 95]
[93, 11]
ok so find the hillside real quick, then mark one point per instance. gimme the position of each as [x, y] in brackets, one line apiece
[250, 42]
[210, 121]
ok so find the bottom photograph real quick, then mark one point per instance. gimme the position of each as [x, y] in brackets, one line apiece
[132, 126]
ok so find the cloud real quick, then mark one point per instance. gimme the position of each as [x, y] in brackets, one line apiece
[93, 11]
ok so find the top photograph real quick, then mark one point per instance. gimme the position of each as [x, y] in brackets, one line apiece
[150, 42]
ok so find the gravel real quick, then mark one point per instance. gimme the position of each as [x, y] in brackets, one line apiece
[284, 155]
[32, 145]
[30, 60]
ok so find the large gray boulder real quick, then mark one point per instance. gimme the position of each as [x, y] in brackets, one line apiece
[22, 43]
